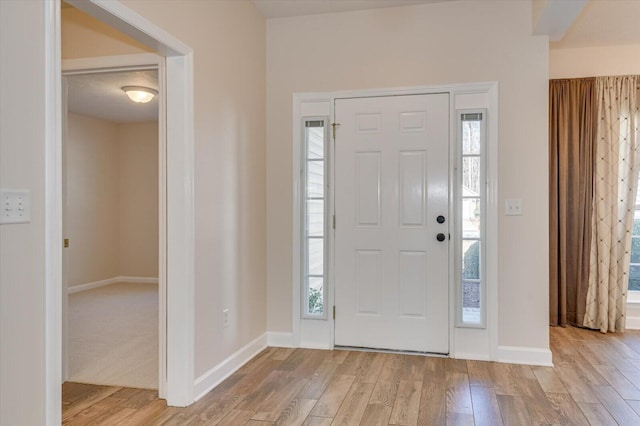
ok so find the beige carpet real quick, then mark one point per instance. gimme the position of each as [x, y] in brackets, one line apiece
[113, 336]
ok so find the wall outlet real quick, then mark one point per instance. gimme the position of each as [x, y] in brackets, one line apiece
[225, 318]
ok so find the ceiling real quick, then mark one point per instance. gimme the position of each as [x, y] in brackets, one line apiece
[604, 23]
[284, 8]
[100, 95]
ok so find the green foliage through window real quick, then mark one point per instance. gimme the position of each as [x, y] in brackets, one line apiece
[316, 304]
[471, 262]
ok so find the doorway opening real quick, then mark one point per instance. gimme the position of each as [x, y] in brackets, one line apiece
[176, 81]
[112, 229]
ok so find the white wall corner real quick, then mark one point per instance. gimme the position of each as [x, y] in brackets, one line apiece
[525, 355]
[212, 378]
[280, 339]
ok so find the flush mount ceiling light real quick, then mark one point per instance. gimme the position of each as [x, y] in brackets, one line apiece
[140, 94]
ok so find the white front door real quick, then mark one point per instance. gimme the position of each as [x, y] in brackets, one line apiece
[391, 193]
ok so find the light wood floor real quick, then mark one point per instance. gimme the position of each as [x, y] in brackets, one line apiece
[596, 380]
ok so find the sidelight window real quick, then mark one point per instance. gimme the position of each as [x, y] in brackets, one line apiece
[634, 267]
[471, 208]
[314, 222]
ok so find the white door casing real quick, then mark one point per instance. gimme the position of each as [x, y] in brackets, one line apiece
[179, 191]
[391, 184]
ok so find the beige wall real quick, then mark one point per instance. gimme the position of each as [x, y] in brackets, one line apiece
[112, 200]
[22, 246]
[93, 201]
[84, 37]
[228, 38]
[594, 61]
[138, 189]
[451, 42]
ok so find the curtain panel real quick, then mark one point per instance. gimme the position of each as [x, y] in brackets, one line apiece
[616, 180]
[572, 139]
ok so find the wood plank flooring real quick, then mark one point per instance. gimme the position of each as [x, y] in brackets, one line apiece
[595, 380]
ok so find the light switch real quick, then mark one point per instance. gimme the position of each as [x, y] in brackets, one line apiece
[15, 206]
[513, 207]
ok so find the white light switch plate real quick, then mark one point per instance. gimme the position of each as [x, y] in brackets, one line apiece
[15, 206]
[513, 207]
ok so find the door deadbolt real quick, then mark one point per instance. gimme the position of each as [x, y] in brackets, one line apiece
[440, 219]
[441, 237]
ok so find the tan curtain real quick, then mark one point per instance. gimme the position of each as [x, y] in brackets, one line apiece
[572, 126]
[616, 181]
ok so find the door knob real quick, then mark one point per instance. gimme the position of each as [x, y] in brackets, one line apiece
[440, 237]
[440, 219]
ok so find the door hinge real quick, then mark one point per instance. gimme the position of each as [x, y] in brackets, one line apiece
[333, 126]
[66, 243]
[334, 311]
[334, 221]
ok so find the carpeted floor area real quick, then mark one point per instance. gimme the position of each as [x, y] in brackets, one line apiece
[113, 336]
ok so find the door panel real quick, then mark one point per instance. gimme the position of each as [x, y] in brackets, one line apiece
[367, 188]
[391, 183]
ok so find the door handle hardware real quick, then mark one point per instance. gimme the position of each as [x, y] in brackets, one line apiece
[440, 219]
[441, 237]
[333, 126]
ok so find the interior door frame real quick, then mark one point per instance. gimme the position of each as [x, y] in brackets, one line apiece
[180, 228]
[124, 63]
[468, 343]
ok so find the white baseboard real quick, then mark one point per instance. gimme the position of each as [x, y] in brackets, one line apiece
[633, 311]
[231, 364]
[138, 280]
[524, 355]
[89, 286]
[102, 283]
[311, 344]
[279, 339]
[633, 323]
[471, 356]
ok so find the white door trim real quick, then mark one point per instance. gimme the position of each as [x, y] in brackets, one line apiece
[318, 333]
[130, 63]
[100, 64]
[179, 193]
[53, 214]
